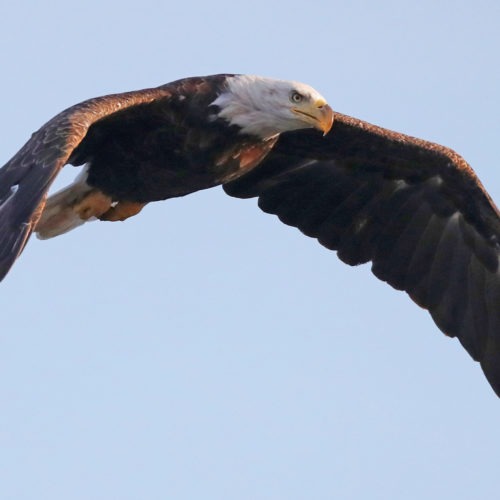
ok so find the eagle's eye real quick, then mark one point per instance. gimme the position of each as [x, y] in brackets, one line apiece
[295, 97]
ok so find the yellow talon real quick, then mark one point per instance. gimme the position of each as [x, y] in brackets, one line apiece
[93, 204]
[122, 211]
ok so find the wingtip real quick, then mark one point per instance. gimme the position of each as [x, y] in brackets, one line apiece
[12, 247]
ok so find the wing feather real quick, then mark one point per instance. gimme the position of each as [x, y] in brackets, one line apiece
[413, 208]
[26, 178]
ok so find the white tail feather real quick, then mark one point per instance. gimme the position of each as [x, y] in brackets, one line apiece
[58, 216]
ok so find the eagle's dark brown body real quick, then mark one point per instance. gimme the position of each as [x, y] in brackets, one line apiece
[169, 147]
[415, 209]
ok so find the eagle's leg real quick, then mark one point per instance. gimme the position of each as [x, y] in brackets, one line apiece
[122, 210]
[93, 204]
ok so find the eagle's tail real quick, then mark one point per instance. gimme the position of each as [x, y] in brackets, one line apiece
[59, 215]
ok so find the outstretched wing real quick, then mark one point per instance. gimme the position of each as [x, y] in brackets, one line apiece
[26, 178]
[413, 208]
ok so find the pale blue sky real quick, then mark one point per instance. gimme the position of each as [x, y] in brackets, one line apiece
[202, 350]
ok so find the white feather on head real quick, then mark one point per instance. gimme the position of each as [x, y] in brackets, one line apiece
[262, 106]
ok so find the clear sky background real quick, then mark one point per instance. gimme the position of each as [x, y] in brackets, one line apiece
[203, 350]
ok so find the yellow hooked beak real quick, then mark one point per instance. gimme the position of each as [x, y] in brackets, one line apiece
[317, 114]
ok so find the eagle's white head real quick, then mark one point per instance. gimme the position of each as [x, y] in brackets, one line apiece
[265, 107]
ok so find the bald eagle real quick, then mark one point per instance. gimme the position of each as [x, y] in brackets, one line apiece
[416, 210]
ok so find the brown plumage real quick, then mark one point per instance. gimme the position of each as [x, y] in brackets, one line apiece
[413, 208]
